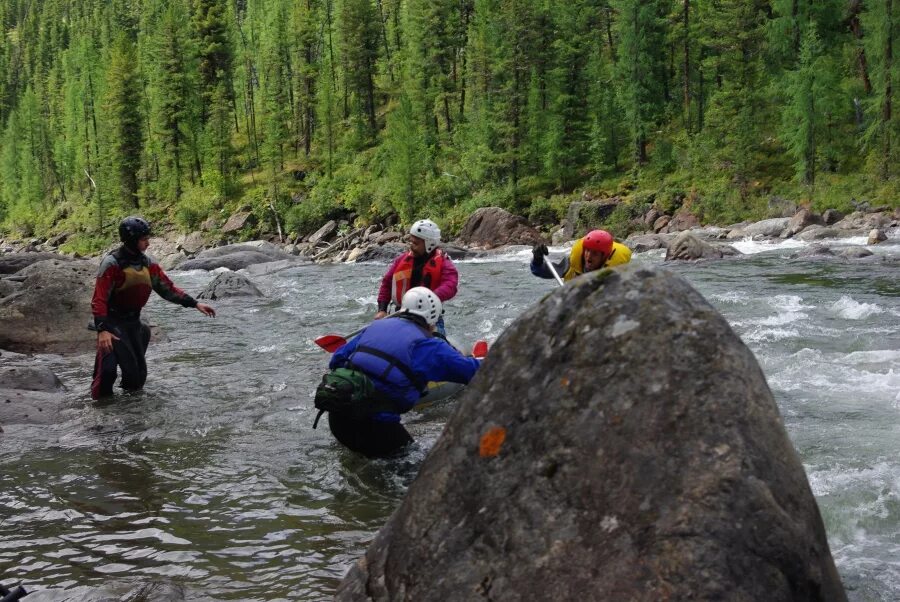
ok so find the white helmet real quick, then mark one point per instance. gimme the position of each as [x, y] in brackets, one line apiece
[428, 231]
[422, 302]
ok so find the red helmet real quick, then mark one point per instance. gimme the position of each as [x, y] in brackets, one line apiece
[598, 241]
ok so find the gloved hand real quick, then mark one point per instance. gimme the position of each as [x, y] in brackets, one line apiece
[538, 253]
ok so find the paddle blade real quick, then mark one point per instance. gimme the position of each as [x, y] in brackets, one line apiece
[480, 349]
[331, 342]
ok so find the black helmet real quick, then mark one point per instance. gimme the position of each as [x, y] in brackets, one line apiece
[132, 229]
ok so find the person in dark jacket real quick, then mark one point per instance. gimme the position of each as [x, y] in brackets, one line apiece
[400, 355]
[124, 282]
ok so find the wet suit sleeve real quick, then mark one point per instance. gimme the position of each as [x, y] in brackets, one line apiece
[384, 293]
[339, 358]
[166, 289]
[106, 282]
[446, 290]
[436, 360]
[542, 271]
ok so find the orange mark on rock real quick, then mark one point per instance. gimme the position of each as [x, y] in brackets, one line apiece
[565, 381]
[491, 442]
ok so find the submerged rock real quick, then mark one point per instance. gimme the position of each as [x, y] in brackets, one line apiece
[620, 443]
[229, 284]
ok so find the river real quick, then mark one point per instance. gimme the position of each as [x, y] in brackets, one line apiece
[213, 478]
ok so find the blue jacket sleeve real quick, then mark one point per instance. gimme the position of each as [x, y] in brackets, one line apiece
[542, 271]
[436, 360]
[339, 358]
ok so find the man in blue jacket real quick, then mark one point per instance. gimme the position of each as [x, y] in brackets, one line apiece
[400, 355]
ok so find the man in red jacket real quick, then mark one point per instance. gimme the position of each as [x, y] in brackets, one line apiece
[124, 282]
[423, 265]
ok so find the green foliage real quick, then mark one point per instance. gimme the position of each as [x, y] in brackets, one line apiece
[437, 107]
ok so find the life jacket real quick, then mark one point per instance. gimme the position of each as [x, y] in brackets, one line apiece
[384, 353]
[431, 274]
[620, 254]
[134, 285]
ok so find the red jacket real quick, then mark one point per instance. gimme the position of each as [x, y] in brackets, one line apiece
[438, 274]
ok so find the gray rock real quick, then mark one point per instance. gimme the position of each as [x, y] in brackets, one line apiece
[257, 246]
[238, 222]
[492, 227]
[687, 247]
[232, 261]
[270, 267]
[646, 460]
[10, 264]
[767, 228]
[50, 310]
[190, 243]
[831, 216]
[876, 236]
[229, 284]
[817, 233]
[323, 233]
[801, 220]
[8, 287]
[855, 252]
[389, 236]
[682, 221]
[641, 243]
[29, 378]
[661, 223]
[18, 406]
[815, 250]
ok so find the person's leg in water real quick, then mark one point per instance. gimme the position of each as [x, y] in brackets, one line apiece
[371, 438]
[105, 364]
[132, 359]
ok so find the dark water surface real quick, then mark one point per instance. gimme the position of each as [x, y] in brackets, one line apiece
[212, 477]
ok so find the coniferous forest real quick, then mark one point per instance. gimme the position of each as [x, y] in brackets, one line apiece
[310, 109]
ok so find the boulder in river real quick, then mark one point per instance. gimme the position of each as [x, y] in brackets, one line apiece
[236, 257]
[687, 247]
[50, 311]
[620, 443]
[229, 284]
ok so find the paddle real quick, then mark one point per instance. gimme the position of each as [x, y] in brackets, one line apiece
[552, 269]
[333, 342]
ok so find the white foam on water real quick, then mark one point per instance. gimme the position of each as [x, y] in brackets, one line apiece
[843, 479]
[769, 335]
[848, 308]
[731, 297]
[747, 246]
[839, 377]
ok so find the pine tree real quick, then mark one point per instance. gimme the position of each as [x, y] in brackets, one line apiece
[124, 122]
[359, 49]
[811, 93]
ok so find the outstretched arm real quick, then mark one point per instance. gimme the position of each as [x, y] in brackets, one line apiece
[542, 271]
[437, 360]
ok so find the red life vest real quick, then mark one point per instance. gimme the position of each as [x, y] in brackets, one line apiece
[431, 274]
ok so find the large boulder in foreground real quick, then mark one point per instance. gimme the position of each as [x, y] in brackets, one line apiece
[490, 227]
[620, 443]
[50, 310]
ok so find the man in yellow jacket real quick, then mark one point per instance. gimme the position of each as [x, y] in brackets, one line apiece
[595, 250]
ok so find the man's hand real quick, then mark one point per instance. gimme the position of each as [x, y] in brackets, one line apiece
[206, 310]
[105, 341]
[538, 253]
[380, 315]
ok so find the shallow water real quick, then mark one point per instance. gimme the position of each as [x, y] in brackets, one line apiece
[213, 478]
